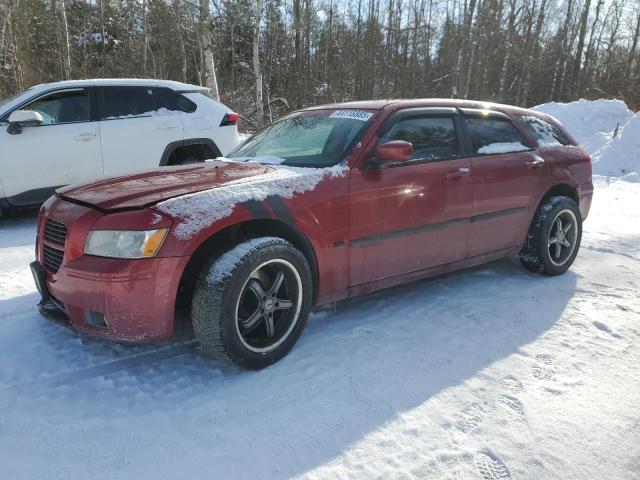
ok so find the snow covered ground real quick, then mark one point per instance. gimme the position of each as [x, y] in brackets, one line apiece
[489, 373]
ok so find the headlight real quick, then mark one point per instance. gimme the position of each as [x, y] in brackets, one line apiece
[125, 244]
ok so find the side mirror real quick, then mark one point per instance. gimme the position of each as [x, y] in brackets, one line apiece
[394, 151]
[23, 118]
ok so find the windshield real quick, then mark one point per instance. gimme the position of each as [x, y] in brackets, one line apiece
[317, 139]
[4, 101]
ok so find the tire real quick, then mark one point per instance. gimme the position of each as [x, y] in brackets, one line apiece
[546, 251]
[239, 311]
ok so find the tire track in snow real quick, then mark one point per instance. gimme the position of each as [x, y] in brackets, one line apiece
[39, 386]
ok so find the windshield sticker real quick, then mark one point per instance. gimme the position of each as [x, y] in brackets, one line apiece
[352, 114]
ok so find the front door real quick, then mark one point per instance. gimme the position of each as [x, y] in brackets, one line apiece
[507, 175]
[64, 149]
[415, 215]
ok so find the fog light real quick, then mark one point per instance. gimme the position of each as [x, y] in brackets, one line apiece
[96, 319]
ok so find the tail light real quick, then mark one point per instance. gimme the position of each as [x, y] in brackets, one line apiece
[230, 119]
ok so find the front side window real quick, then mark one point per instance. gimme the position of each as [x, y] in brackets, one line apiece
[315, 139]
[545, 133]
[433, 138]
[125, 102]
[492, 136]
[67, 106]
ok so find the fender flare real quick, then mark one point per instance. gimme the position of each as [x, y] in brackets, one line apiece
[173, 146]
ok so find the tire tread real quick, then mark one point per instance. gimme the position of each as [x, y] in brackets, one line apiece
[532, 255]
[207, 311]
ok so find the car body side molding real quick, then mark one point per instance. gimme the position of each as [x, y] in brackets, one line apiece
[372, 239]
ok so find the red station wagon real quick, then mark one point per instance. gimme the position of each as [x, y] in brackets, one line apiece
[326, 204]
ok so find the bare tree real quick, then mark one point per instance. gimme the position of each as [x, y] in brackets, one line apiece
[257, 70]
[209, 70]
[577, 63]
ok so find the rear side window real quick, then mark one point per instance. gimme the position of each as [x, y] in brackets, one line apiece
[67, 106]
[122, 102]
[172, 100]
[545, 133]
[433, 138]
[492, 136]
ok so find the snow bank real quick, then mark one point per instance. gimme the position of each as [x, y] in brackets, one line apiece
[607, 129]
[590, 122]
[621, 156]
[200, 210]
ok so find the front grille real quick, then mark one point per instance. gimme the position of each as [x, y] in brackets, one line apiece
[55, 232]
[52, 258]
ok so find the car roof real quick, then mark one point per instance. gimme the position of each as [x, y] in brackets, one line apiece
[142, 82]
[397, 104]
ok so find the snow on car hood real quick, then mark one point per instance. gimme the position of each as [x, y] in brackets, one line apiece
[153, 186]
[199, 210]
[198, 195]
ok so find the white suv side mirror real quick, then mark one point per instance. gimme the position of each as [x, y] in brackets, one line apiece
[23, 118]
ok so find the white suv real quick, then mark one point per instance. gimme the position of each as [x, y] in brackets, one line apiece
[71, 132]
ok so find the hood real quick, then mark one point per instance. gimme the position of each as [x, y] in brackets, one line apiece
[150, 187]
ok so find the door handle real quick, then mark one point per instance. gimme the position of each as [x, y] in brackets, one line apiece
[538, 162]
[84, 137]
[167, 125]
[460, 172]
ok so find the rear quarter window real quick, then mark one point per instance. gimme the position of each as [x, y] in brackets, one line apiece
[545, 133]
[174, 101]
[492, 136]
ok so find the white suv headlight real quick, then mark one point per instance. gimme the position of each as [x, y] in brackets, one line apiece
[124, 243]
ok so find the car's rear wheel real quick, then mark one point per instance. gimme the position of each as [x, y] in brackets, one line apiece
[251, 304]
[554, 237]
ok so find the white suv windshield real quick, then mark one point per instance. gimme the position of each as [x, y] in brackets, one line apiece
[317, 139]
[5, 102]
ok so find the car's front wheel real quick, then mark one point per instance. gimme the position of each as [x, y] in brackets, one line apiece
[251, 304]
[554, 237]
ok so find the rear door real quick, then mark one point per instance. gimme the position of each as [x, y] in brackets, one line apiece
[64, 149]
[507, 175]
[415, 215]
[135, 128]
